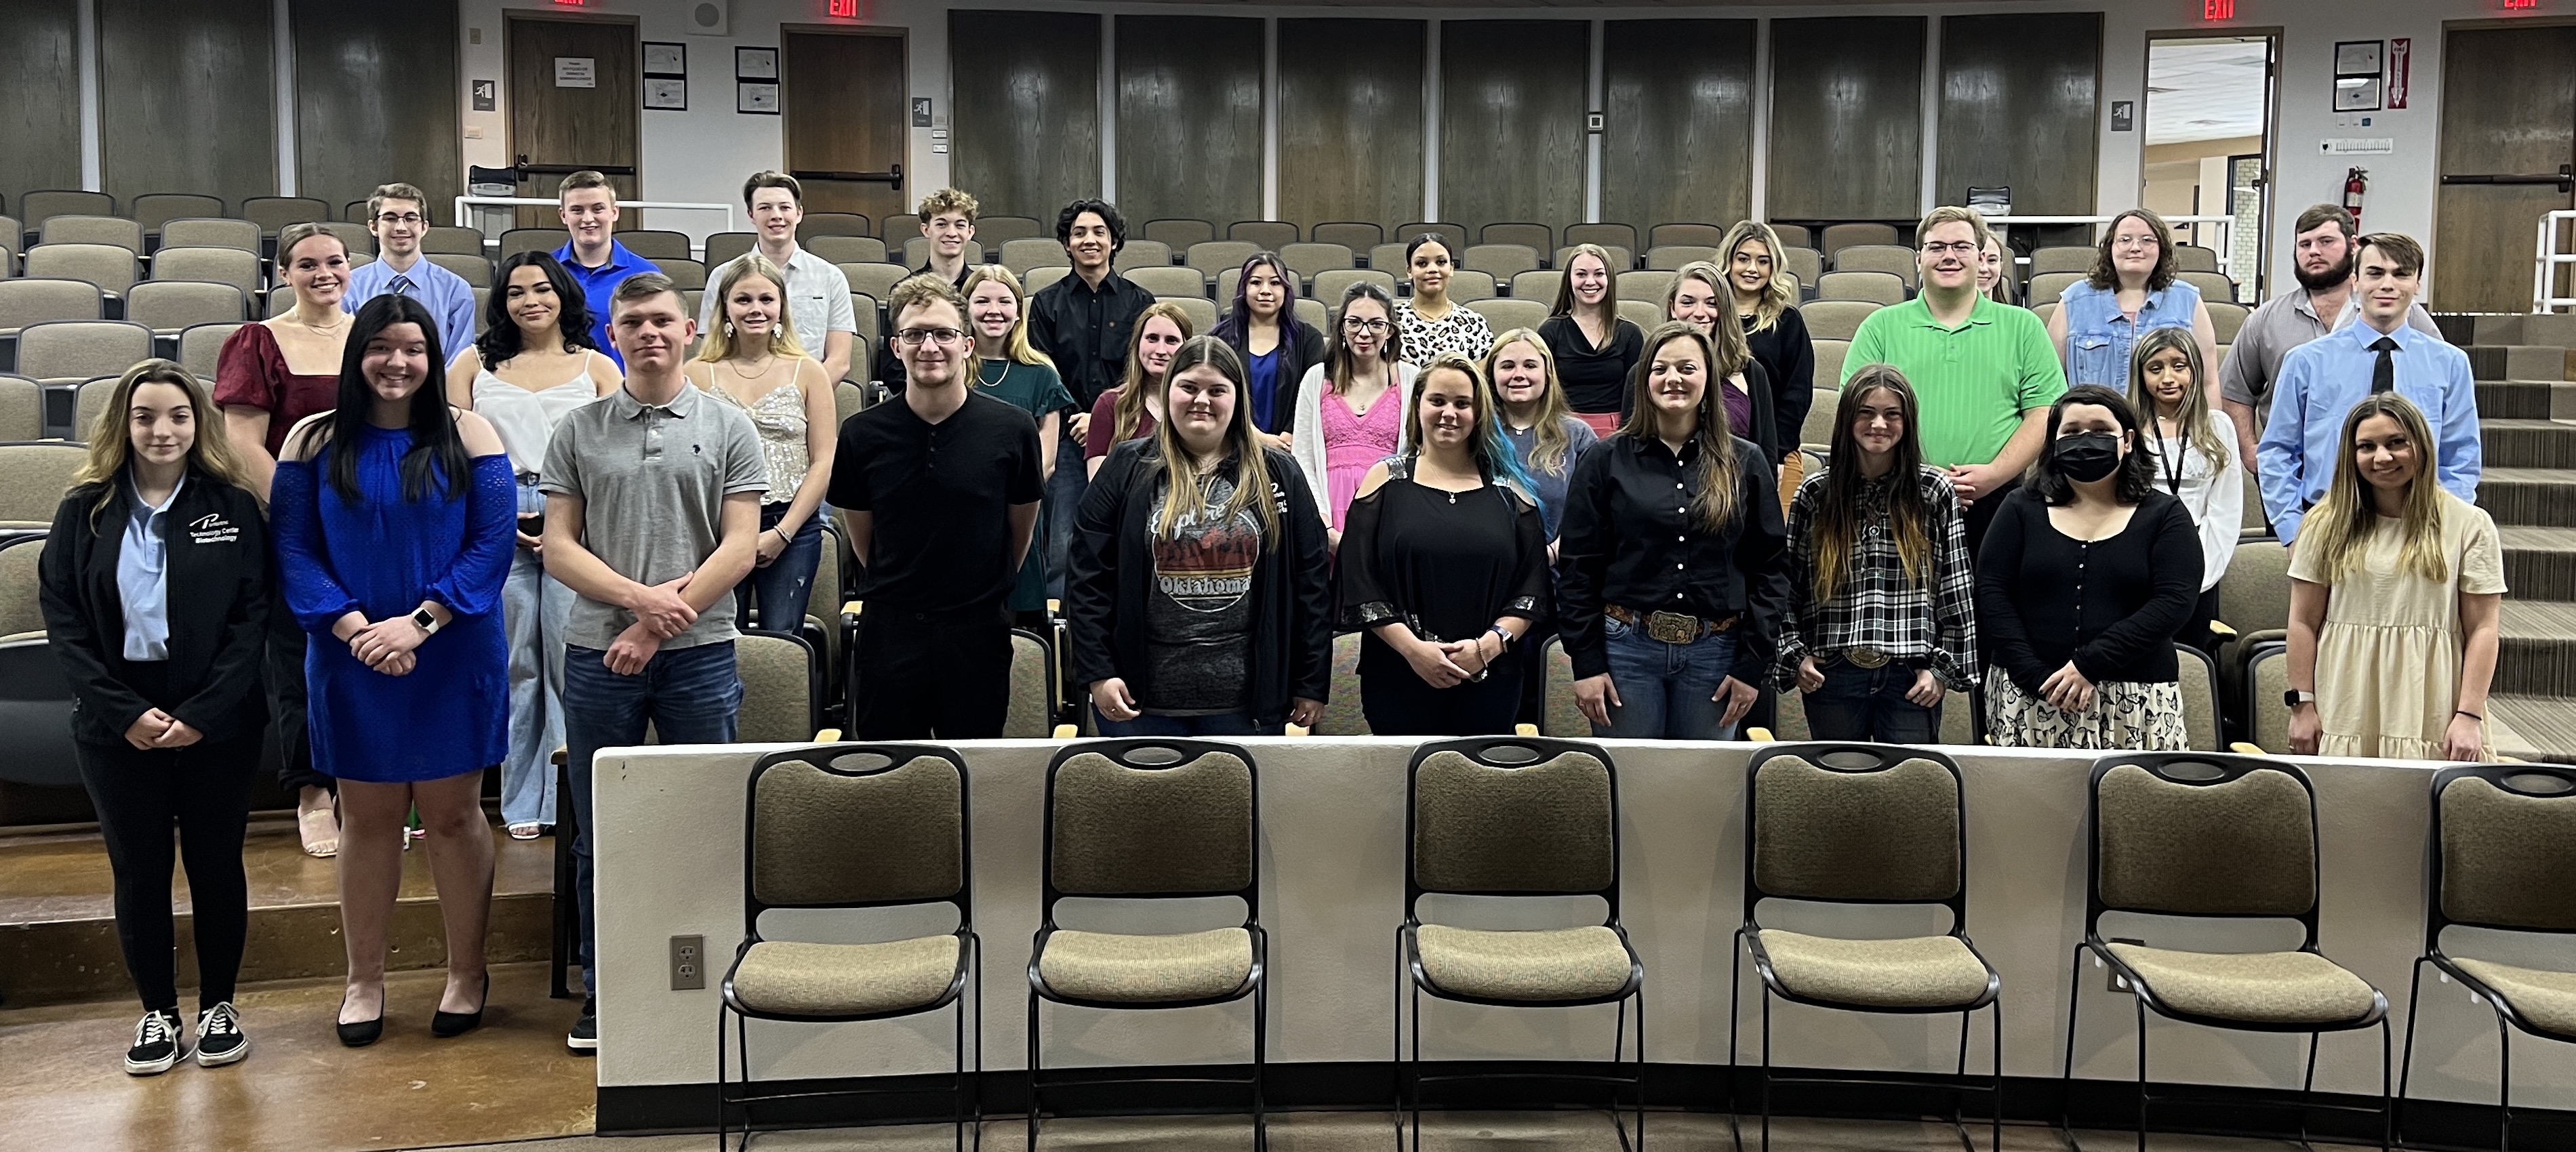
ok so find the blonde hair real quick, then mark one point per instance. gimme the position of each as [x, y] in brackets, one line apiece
[1015, 347]
[1953, 214]
[2197, 434]
[1553, 451]
[1780, 293]
[2340, 526]
[110, 446]
[782, 329]
[1714, 506]
[1565, 283]
[944, 201]
[1127, 413]
[1252, 471]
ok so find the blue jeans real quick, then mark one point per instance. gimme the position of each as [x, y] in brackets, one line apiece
[788, 581]
[1063, 494]
[1665, 689]
[1226, 724]
[1870, 704]
[688, 695]
[534, 607]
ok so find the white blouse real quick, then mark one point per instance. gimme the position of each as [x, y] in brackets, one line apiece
[2214, 495]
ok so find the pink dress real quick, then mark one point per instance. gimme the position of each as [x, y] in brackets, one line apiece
[1353, 443]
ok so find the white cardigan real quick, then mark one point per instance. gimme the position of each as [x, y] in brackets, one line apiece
[1306, 431]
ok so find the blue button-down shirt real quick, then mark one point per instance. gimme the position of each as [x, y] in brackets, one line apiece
[444, 293]
[2320, 382]
[599, 284]
[143, 577]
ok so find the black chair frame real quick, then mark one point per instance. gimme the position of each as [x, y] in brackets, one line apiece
[2521, 780]
[1856, 759]
[2207, 769]
[968, 1095]
[1409, 1077]
[1125, 753]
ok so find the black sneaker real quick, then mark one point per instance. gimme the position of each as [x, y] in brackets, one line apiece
[159, 1041]
[219, 1036]
[584, 1036]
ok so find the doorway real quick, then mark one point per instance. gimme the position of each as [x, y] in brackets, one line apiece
[2508, 156]
[575, 96]
[2207, 144]
[843, 94]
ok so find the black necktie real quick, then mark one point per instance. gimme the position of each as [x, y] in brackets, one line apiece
[2383, 375]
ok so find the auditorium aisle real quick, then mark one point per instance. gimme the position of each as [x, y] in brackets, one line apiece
[2526, 372]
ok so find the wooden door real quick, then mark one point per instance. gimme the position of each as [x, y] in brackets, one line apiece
[558, 127]
[2508, 140]
[843, 94]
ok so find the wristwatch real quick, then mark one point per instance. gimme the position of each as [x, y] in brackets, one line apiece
[428, 623]
[2294, 697]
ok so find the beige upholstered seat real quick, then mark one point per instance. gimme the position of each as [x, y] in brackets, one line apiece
[791, 978]
[1835, 319]
[1170, 281]
[22, 409]
[1332, 283]
[1269, 234]
[1137, 969]
[1030, 714]
[2545, 999]
[2262, 987]
[215, 233]
[1542, 966]
[1356, 235]
[1030, 252]
[1135, 254]
[723, 246]
[1923, 973]
[778, 702]
[875, 280]
[33, 478]
[20, 609]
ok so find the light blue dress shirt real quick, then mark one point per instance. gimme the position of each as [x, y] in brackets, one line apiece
[444, 293]
[143, 577]
[2321, 380]
[2099, 335]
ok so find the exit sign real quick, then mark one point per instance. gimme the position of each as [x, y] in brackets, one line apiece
[2513, 5]
[841, 9]
[2224, 9]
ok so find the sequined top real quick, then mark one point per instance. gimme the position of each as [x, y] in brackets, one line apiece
[779, 417]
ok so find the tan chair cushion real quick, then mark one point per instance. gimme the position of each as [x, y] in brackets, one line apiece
[1146, 969]
[2544, 999]
[1559, 964]
[1918, 972]
[2259, 987]
[791, 978]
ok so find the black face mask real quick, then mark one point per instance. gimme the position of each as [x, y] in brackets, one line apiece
[2088, 456]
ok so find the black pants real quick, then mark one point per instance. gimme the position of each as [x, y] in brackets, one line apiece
[285, 689]
[1982, 513]
[2195, 631]
[922, 676]
[205, 790]
[1398, 703]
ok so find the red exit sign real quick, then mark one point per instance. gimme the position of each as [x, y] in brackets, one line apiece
[2516, 5]
[841, 9]
[2219, 9]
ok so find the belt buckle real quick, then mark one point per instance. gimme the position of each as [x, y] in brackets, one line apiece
[1672, 627]
[1865, 658]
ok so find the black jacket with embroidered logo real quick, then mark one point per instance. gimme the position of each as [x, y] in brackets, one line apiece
[219, 569]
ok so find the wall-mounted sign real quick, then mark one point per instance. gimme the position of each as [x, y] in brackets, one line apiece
[2124, 115]
[2401, 52]
[666, 93]
[576, 72]
[2359, 68]
[666, 58]
[921, 111]
[487, 95]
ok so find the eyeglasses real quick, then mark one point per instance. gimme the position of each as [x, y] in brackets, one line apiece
[1370, 327]
[405, 218]
[916, 337]
[1961, 248]
[2133, 242]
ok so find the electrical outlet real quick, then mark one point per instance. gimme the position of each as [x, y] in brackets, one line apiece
[688, 963]
[2115, 983]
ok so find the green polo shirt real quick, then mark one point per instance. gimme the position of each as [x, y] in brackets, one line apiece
[1971, 383]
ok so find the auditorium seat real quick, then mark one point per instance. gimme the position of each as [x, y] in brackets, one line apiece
[89, 402]
[453, 240]
[33, 478]
[2204, 720]
[1213, 256]
[1622, 258]
[1794, 235]
[1668, 257]
[1200, 310]
[2253, 609]
[1455, 235]
[70, 351]
[26, 302]
[37, 207]
[223, 265]
[1179, 232]
[210, 232]
[1467, 285]
[1882, 287]
[1618, 237]
[1557, 713]
[2045, 312]
[154, 209]
[916, 252]
[2228, 318]
[874, 280]
[1270, 235]
[1031, 712]
[1330, 285]
[1388, 258]
[837, 250]
[1807, 264]
[1312, 313]
[994, 231]
[1685, 235]
[2062, 258]
[897, 228]
[169, 306]
[1502, 313]
[1356, 235]
[1342, 714]
[1835, 319]
[1645, 314]
[832, 224]
[656, 244]
[518, 240]
[2045, 287]
[1818, 430]
[1169, 281]
[1540, 284]
[1225, 285]
[201, 347]
[359, 241]
[22, 410]
[1535, 237]
[2195, 258]
[474, 270]
[1889, 258]
[1829, 363]
[1025, 253]
[109, 266]
[1307, 259]
[2213, 286]
[782, 695]
[35, 696]
[1136, 253]
[1041, 277]
[864, 310]
[116, 230]
[1840, 236]
[1501, 261]
[685, 274]
[281, 300]
[724, 246]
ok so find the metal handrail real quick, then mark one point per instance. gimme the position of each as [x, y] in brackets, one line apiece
[2225, 248]
[2546, 258]
[464, 202]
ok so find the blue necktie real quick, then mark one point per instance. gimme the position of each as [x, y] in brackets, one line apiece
[402, 287]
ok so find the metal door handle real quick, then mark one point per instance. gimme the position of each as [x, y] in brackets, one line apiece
[527, 169]
[894, 176]
[2564, 178]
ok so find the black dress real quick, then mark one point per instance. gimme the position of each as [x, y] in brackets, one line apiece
[1789, 356]
[1446, 565]
[1594, 379]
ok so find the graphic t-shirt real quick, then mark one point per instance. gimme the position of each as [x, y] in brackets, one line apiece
[1198, 620]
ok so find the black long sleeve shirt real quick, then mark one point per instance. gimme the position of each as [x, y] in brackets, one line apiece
[1789, 356]
[1085, 331]
[2110, 606]
[1629, 538]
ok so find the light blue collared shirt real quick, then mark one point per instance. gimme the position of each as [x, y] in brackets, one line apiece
[2321, 380]
[444, 293]
[143, 577]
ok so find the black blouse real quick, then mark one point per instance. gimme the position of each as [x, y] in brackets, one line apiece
[1784, 351]
[1594, 379]
[1628, 539]
[2110, 606]
[1446, 564]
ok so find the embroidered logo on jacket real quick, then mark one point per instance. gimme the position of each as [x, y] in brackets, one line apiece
[212, 528]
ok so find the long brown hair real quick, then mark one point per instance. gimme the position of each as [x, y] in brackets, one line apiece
[1128, 413]
[2197, 433]
[1565, 284]
[1714, 506]
[2340, 526]
[1251, 470]
[110, 446]
[2106, 275]
[1553, 453]
[1836, 531]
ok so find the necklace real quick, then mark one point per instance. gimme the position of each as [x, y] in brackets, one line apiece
[324, 329]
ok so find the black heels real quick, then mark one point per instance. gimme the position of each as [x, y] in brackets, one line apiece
[363, 1032]
[447, 1025]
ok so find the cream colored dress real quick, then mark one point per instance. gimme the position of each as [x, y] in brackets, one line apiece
[2388, 660]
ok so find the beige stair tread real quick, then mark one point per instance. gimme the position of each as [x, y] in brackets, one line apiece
[2539, 619]
[2536, 539]
[2532, 727]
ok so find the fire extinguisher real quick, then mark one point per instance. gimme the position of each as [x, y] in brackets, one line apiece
[2355, 182]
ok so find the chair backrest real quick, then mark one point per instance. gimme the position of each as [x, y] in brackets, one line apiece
[1028, 252]
[473, 269]
[1151, 818]
[2228, 318]
[1179, 232]
[2199, 834]
[359, 241]
[452, 239]
[1855, 823]
[210, 232]
[1135, 253]
[33, 478]
[686, 274]
[1882, 287]
[1557, 713]
[2062, 258]
[281, 299]
[202, 345]
[1807, 264]
[20, 606]
[1818, 430]
[1342, 714]
[1003, 229]
[1502, 261]
[22, 411]
[1795, 235]
[1648, 284]
[1511, 816]
[916, 252]
[168, 306]
[1312, 257]
[1645, 314]
[2046, 287]
[1888, 258]
[39, 206]
[89, 403]
[1454, 234]
[1210, 257]
[1031, 711]
[1622, 257]
[1502, 313]
[1170, 281]
[1617, 236]
[238, 267]
[154, 209]
[1041, 277]
[1356, 235]
[833, 224]
[874, 280]
[109, 266]
[899, 227]
[843, 250]
[2503, 846]
[2212, 285]
[275, 212]
[2200, 711]
[1200, 310]
[723, 246]
[857, 826]
[2195, 258]
[1840, 236]
[1330, 284]
[2254, 592]
[1387, 257]
[1468, 285]
[1535, 237]
[32, 301]
[2267, 675]
[1835, 319]
[1671, 256]
[1539, 284]
[81, 349]
[782, 689]
[1271, 234]
[518, 240]
[1829, 359]
[1693, 235]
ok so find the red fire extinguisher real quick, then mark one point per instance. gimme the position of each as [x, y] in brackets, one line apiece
[2355, 182]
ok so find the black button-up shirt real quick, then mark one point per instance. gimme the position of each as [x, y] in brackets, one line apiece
[938, 498]
[1630, 539]
[1085, 330]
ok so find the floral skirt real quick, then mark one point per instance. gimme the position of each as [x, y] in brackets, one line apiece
[2126, 716]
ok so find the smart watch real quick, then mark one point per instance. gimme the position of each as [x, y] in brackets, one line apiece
[428, 623]
[2294, 697]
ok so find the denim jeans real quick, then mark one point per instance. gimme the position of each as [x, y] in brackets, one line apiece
[534, 607]
[1063, 494]
[787, 581]
[1665, 689]
[1870, 704]
[688, 695]
[1224, 724]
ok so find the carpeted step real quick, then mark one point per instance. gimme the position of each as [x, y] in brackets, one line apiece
[2524, 443]
[2533, 727]
[2557, 329]
[2521, 362]
[2529, 497]
[2539, 562]
[2538, 653]
[2526, 400]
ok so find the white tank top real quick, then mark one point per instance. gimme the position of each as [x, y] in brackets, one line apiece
[525, 419]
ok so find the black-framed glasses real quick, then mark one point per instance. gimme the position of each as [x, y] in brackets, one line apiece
[1370, 327]
[1960, 248]
[410, 218]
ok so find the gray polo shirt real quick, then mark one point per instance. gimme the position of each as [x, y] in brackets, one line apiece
[652, 481]
[818, 300]
[2282, 323]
